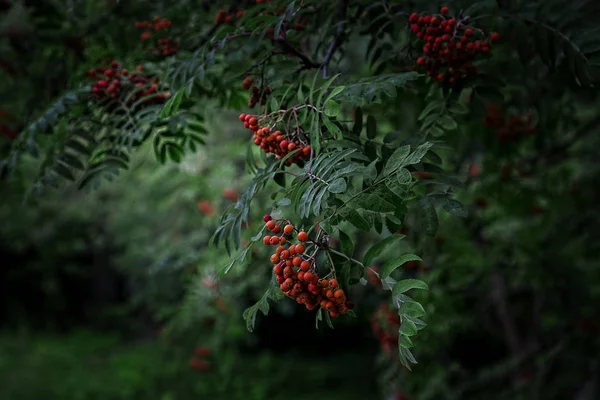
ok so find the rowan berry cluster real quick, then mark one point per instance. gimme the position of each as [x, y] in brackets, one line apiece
[297, 272]
[276, 142]
[223, 17]
[115, 82]
[164, 46]
[509, 127]
[451, 45]
[385, 325]
[256, 93]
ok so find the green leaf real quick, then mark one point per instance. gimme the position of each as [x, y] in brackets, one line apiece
[405, 285]
[412, 309]
[417, 155]
[447, 123]
[328, 319]
[397, 159]
[319, 317]
[357, 220]
[380, 247]
[408, 328]
[371, 127]
[370, 173]
[332, 128]
[456, 208]
[337, 186]
[347, 245]
[405, 342]
[331, 108]
[392, 265]
[63, 171]
[334, 93]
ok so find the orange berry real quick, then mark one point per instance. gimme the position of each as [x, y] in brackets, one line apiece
[333, 284]
[330, 306]
[324, 283]
[279, 250]
[275, 258]
[288, 272]
[309, 277]
[267, 240]
[292, 249]
[282, 240]
[277, 229]
[297, 261]
[274, 240]
[300, 275]
[285, 254]
[278, 269]
[305, 266]
[302, 236]
[288, 262]
[300, 248]
[333, 314]
[329, 294]
[288, 230]
[270, 225]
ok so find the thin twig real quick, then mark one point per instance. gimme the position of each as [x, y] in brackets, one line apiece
[339, 36]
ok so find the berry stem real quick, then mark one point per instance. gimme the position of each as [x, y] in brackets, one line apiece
[353, 260]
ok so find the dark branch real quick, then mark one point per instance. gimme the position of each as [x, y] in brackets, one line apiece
[339, 36]
[307, 63]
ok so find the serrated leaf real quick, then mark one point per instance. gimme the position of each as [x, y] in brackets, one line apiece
[338, 186]
[357, 220]
[319, 317]
[331, 108]
[380, 247]
[328, 319]
[405, 342]
[456, 208]
[397, 159]
[370, 173]
[447, 123]
[392, 265]
[408, 328]
[332, 128]
[405, 285]
[346, 243]
[412, 309]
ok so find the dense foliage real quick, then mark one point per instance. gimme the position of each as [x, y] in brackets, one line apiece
[423, 170]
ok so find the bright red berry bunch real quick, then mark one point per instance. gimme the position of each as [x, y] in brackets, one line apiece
[509, 127]
[451, 45]
[297, 273]
[276, 142]
[385, 325]
[223, 17]
[115, 82]
[164, 46]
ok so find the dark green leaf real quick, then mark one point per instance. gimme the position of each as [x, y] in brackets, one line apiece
[392, 265]
[380, 247]
[405, 285]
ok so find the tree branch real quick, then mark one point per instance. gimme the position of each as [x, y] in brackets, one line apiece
[339, 36]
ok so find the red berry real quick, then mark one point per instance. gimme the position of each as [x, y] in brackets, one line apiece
[468, 32]
[495, 37]
[267, 218]
[444, 10]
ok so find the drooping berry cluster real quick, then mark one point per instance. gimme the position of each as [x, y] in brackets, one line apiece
[297, 272]
[223, 17]
[385, 325]
[257, 93]
[276, 142]
[451, 45]
[115, 82]
[164, 46]
[509, 127]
